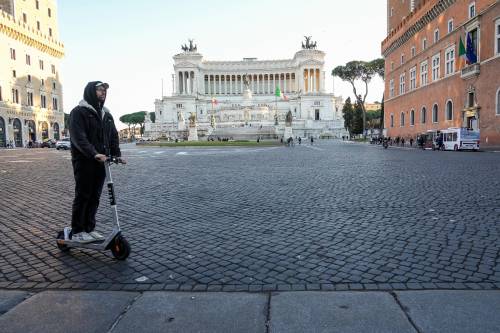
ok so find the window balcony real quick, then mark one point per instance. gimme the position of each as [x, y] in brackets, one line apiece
[471, 70]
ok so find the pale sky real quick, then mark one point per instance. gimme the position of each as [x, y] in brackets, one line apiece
[130, 44]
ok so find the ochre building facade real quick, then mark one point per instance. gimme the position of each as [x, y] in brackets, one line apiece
[30, 86]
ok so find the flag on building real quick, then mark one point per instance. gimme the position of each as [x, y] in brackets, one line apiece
[279, 93]
[470, 52]
[461, 53]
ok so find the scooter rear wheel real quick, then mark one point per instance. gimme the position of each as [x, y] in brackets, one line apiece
[62, 247]
[120, 248]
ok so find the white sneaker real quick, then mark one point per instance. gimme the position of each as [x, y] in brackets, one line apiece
[67, 231]
[82, 237]
[97, 236]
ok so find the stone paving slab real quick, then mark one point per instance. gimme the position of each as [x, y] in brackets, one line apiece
[60, 311]
[342, 312]
[453, 311]
[10, 298]
[196, 312]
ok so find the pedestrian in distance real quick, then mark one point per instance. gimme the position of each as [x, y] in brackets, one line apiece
[93, 137]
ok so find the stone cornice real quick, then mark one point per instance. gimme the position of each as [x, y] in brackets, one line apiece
[424, 14]
[28, 36]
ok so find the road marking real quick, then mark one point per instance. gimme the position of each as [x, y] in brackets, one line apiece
[159, 152]
[21, 161]
[312, 147]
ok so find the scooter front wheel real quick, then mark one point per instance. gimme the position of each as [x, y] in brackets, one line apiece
[120, 248]
[62, 247]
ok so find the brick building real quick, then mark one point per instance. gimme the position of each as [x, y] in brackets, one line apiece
[428, 85]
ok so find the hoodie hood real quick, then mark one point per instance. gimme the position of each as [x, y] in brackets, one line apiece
[89, 95]
[85, 104]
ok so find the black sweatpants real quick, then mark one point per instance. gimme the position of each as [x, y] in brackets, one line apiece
[89, 179]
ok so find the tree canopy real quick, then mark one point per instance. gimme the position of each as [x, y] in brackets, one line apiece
[363, 71]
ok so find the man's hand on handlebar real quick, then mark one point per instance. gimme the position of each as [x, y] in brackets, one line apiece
[100, 157]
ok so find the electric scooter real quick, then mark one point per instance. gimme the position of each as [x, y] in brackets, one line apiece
[115, 242]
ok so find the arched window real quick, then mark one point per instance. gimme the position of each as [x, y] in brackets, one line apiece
[498, 102]
[435, 113]
[18, 132]
[56, 131]
[412, 117]
[402, 120]
[392, 120]
[449, 110]
[3, 139]
[423, 115]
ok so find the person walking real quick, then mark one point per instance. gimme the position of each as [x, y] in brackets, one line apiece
[93, 137]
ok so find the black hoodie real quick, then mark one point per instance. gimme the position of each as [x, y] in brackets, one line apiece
[92, 128]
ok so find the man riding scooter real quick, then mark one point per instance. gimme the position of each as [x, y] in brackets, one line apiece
[93, 137]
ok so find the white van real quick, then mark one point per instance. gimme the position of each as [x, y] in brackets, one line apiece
[455, 138]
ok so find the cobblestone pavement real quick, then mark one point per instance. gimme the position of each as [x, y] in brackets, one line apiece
[333, 216]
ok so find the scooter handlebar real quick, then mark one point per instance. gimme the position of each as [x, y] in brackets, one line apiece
[115, 159]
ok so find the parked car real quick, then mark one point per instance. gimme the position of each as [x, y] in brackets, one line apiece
[64, 143]
[49, 143]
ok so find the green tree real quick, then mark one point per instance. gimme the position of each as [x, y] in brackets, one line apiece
[348, 113]
[152, 116]
[357, 119]
[360, 71]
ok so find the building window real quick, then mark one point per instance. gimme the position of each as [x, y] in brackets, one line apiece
[402, 84]
[29, 78]
[435, 113]
[316, 114]
[402, 58]
[498, 100]
[497, 37]
[392, 120]
[391, 88]
[43, 82]
[450, 60]
[37, 25]
[53, 69]
[30, 98]
[472, 10]
[436, 35]
[49, 12]
[470, 100]
[449, 110]
[450, 26]
[53, 85]
[424, 44]
[392, 11]
[13, 54]
[1, 98]
[423, 115]
[25, 18]
[15, 96]
[402, 120]
[413, 52]
[412, 118]
[43, 101]
[54, 103]
[28, 60]
[50, 32]
[435, 67]
[14, 73]
[392, 65]
[37, 4]
[423, 73]
[413, 78]
[40, 62]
